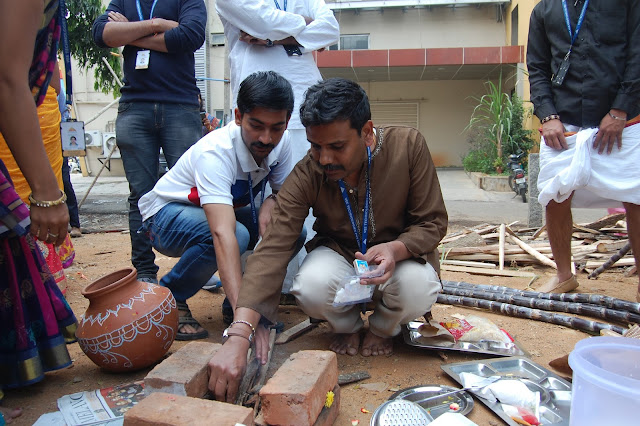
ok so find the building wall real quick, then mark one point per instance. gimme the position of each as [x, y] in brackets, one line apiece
[397, 28]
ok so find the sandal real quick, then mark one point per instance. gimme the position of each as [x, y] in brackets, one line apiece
[555, 286]
[185, 318]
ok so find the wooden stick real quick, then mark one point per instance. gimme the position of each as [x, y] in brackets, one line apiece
[533, 252]
[539, 232]
[484, 271]
[626, 261]
[501, 248]
[467, 263]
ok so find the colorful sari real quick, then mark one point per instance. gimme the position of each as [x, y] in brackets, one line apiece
[35, 319]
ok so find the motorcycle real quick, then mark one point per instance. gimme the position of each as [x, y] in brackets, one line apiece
[517, 177]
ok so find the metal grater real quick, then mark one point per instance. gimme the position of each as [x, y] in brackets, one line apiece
[400, 412]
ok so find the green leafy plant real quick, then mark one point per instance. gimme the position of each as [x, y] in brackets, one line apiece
[80, 17]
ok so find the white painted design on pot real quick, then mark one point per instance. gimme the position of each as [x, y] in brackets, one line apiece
[101, 317]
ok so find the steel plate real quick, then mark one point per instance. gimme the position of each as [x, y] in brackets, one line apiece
[436, 407]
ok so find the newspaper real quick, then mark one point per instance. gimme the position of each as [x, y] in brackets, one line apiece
[101, 406]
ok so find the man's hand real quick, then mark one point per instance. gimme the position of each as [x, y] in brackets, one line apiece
[262, 343]
[248, 38]
[383, 256]
[264, 216]
[227, 367]
[117, 17]
[553, 133]
[610, 132]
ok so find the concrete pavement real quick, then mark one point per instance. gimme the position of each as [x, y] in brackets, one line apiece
[465, 202]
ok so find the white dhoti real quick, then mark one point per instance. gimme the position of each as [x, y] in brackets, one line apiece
[597, 180]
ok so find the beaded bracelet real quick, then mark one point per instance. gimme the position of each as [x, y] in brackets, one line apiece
[615, 117]
[549, 118]
[38, 203]
[253, 330]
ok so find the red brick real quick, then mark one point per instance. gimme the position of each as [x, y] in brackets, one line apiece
[329, 415]
[184, 373]
[160, 409]
[297, 392]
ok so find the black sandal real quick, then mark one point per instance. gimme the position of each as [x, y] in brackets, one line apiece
[185, 318]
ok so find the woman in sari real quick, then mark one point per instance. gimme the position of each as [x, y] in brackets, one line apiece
[35, 318]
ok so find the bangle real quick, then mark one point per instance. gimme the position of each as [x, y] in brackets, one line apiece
[228, 333]
[615, 117]
[253, 330]
[38, 203]
[549, 118]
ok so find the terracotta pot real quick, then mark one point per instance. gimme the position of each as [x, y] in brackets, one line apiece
[129, 324]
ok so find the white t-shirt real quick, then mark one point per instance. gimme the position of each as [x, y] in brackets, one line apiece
[262, 19]
[215, 170]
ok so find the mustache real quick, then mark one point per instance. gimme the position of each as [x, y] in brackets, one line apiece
[332, 167]
[261, 145]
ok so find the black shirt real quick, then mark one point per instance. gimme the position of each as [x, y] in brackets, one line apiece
[604, 71]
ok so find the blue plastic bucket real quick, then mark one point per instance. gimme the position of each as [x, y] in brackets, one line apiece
[606, 381]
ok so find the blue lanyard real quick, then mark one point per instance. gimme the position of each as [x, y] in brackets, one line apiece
[572, 35]
[153, 6]
[278, 5]
[254, 213]
[365, 216]
[66, 51]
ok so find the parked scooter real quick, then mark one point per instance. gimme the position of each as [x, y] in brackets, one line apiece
[517, 177]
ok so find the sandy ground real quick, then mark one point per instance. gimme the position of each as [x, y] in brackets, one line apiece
[101, 253]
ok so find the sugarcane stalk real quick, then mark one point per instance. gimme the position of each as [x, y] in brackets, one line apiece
[595, 311]
[576, 323]
[594, 299]
[606, 265]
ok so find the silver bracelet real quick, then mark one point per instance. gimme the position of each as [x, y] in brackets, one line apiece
[615, 117]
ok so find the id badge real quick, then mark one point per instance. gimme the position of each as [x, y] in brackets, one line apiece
[142, 59]
[292, 50]
[558, 78]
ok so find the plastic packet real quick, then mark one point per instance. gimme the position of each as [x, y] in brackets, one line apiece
[364, 270]
[351, 292]
[475, 329]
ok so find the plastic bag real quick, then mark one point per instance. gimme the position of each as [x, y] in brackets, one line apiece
[473, 328]
[351, 292]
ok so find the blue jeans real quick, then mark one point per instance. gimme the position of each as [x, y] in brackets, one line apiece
[142, 128]
[181, 230]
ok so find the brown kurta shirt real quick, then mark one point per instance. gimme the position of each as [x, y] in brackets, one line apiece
[406, 205]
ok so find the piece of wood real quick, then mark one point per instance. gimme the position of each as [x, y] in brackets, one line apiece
[468, 263]
[501, 247]
[625, 261]
[539, 232]
[632, 271]
[605, 221]
[533, 252]
[346, 378]
[295, 331]
[610, 245]
[490, 272]
[583, 229]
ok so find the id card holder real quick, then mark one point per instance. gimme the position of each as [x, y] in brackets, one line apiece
[142, 59]
[558, 78]
[292, 50]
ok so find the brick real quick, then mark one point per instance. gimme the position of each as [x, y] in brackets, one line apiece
[184, 373]
[326, 418]
[297, 392]
[163, 409]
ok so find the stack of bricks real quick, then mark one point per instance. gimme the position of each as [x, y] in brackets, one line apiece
[297, 392]
[295, 395]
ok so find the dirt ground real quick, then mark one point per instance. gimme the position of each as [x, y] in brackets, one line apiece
[100, 253]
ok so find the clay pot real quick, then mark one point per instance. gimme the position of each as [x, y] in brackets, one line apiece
[129, 324]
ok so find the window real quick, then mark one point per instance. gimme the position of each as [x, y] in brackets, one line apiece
[352, 42]
[217, 39]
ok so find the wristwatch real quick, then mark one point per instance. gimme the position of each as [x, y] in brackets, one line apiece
[226, 334]
[269, 43]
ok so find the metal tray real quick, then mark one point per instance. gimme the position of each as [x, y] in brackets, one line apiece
[555, 397]
[436, 407]
[413, 337]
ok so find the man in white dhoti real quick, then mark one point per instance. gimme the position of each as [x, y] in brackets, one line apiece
[583, 59]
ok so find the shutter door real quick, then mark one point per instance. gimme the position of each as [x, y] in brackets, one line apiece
[399, 113]
[202, 70]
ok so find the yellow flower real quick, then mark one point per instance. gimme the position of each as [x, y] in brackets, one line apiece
[329, 401]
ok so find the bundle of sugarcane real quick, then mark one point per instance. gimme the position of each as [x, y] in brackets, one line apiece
[581, 324]
[594, 299]
[595, 311]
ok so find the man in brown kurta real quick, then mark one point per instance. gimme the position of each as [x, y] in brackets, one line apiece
[406, 221]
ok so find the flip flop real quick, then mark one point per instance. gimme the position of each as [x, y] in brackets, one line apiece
[554, 286]
[186, 318]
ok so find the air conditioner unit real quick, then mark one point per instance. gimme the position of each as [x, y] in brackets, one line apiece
[93, 138]
[108, 141]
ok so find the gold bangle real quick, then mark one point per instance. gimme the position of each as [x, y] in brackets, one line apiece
[38, 203]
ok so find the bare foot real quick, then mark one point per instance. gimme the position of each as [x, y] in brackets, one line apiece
[10, 413]
[374, 345]
[346, 344]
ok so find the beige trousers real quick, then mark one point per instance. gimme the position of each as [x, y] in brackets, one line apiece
[408, 294]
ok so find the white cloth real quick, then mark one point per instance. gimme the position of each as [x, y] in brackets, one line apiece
[263, 20]
[212, 166]
[598, 180]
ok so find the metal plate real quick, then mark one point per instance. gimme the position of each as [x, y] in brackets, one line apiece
[555, 397]
[399, 412]
[413, 337]
[436, 407]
